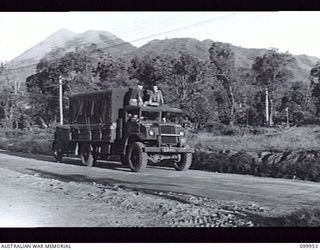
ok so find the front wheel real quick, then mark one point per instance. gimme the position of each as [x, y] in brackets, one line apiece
[137, 159]
[57, 152]
[184, 163]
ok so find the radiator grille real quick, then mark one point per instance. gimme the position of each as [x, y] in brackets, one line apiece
[169, 139]
[167, 130]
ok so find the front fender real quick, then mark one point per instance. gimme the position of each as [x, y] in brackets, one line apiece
[130, 139]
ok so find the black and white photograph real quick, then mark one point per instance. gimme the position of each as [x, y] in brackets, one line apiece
[159, 119]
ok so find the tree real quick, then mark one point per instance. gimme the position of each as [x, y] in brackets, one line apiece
[12, 102]
[296, 102]
[222, 61]
[143, 69]
[2, 67]
[85, 69]
[185, 85]
[271, 73]
[182, 78]
[245, 97]
[315, 87]
[113, 72]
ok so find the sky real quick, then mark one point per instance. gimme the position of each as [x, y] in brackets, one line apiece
[296, 32]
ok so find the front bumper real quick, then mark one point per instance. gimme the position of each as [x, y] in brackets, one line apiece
[168, 150]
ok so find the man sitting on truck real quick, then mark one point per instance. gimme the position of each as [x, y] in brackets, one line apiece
[136, 96]
[156, 97]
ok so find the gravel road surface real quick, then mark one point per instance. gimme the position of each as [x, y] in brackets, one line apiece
[36, 192]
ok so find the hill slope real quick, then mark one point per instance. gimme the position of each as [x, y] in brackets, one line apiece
[244, 57]
[34, 54]
[68, 41]
[24, 65]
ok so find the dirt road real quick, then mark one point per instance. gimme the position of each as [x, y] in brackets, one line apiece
[37, 192]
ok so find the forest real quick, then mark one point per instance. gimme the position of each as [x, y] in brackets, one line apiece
[214, 93]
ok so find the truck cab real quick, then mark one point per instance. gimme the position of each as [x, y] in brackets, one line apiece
[159, 133]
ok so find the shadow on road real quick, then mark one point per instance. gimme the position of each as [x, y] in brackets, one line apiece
[113, 165]
[71, 161]
[105, 181]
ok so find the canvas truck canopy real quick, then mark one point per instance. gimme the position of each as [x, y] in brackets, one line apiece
[101, 107]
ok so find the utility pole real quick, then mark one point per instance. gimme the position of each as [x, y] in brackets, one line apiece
[60, 100]
[287, 114]
[271, 113]
[267, 106]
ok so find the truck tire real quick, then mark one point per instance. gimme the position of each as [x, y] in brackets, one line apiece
[57, 151]
[87, 159]
[184, 163]
[86, 155]
[137, 159]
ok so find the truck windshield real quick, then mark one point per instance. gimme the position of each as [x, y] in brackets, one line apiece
[172, 117]
[150, 116]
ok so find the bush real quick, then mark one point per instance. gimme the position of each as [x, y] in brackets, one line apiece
[305, 217]
[37, 141]
[34, 147]
[290, 164]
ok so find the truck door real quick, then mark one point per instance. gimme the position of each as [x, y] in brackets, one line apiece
[132, 125]
[120, 124]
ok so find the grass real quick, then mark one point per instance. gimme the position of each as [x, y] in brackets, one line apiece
[37, 141]
[263, 139]
[279, 153]
[273, 139]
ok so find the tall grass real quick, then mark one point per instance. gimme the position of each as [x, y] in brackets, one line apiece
[295, 138]
[37, 141]
[245, 140]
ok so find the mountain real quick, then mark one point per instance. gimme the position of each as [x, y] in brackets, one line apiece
[25, 64]
[244, 57]
[34, 54]
[303, 66]
[174, 46]
[68, 41]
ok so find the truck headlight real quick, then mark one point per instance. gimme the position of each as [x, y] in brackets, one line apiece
[151, 132]
[182, 133]
[183, 141]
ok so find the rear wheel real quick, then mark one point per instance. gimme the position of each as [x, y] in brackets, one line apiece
[87, 158]
[57, 152]
[137, 159]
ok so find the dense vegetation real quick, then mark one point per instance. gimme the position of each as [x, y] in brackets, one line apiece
[214, 91]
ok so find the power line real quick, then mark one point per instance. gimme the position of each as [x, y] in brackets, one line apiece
[146, 37]
[124, 43]
[147, 26]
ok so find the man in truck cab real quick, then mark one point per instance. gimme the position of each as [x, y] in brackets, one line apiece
[156, 97]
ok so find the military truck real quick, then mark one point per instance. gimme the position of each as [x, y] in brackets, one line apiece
[102, 124]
